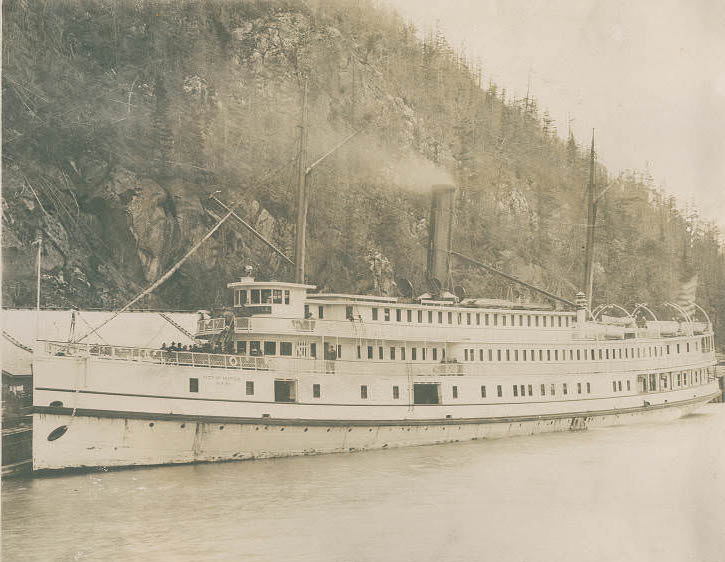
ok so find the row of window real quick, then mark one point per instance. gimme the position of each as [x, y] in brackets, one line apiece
[269, 348]
[517, 390]
[521, 389]
[462, 318]
[261, 296]
[427, 353]
[258, 348]
[430, 392]
[665, 381]
[617, 386]
[574, 355]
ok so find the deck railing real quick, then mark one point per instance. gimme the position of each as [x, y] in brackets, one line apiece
[289, 365]
[187, 358]
[211, 325]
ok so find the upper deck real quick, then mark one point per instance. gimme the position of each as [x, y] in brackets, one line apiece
[286, 309]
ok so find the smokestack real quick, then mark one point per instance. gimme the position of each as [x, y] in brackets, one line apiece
[440, 234]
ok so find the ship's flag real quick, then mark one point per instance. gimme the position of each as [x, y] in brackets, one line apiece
[685, 297]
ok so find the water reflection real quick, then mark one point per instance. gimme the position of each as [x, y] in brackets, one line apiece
[649, 492]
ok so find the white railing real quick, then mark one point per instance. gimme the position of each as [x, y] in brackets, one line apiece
[242, 324]
[186, 358]
[281, 365]
[212, 325]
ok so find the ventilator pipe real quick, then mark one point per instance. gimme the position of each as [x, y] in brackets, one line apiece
[709, 322]
[643, 306]
[597, 310]
[684, 313]
[611, 305]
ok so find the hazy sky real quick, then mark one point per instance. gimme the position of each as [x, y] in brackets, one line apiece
[648, 75]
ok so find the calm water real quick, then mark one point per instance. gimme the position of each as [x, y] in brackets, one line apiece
[640, 493]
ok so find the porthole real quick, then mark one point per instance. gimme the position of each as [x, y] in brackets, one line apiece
[183, 425]
[151, 424]
[56, 404]
[57, 433]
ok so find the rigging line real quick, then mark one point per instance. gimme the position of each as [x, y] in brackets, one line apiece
[16, 343]
[511, 278]
[178, 264]
[175, 325]
[91, 327]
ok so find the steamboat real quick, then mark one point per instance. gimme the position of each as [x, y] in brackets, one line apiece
[297, 372]
[301, 372]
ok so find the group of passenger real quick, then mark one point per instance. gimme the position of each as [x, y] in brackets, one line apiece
[204, 348]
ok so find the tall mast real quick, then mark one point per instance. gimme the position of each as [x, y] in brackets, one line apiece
[302, 196]
[39, 242]
[591, 221]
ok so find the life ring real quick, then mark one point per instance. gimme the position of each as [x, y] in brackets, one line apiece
[233, 361]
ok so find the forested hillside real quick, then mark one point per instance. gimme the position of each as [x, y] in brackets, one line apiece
[120, 118]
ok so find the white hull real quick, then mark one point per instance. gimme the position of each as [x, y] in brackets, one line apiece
[102, 440]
